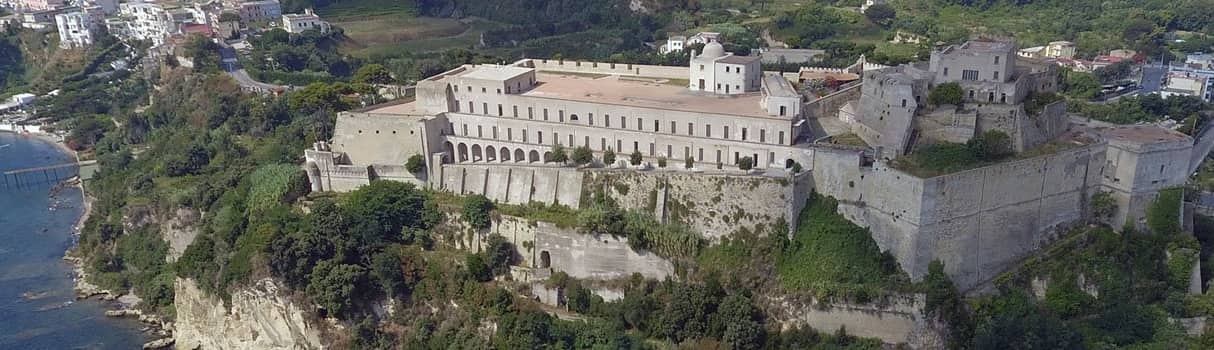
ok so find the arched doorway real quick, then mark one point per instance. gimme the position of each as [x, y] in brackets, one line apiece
[461, 153]
[788, 163]
[547, 157]
[450, 151]
[519, 155]
[476, 153]
[533, 156]
[490, 154]
[505, 154]
[545, 260]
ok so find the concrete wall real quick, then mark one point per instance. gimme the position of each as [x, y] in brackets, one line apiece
[715, 205]
[827, 106]
[899, 321]
[515, 184]
[582, 256]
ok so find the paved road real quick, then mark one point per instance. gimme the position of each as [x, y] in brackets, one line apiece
[1152, 78]
[231, 65]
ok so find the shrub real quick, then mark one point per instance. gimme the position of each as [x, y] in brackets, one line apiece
[582, 155]
[1163, 215]
[274, 184]
[689, 163]
[558, 154]
[1103, 205]
[662, 162]
[416, 164]
[946, 94]
[476, 211]
[746, 163]
[992, 145]
[796, 168]
[609, 157]
[635, 158]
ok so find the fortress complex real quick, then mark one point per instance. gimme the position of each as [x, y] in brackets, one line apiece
[491, 130]
[893, 110]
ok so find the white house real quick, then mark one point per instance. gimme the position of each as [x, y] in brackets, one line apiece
[298, 23]
[76, 29]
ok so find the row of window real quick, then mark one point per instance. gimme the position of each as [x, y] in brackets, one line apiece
[623, 122]
[972, 75]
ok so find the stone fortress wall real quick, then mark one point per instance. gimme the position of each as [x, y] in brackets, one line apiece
[978, 222]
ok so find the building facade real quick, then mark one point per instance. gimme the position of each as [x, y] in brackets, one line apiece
[298, 23]
[76, 29]
[261, 10]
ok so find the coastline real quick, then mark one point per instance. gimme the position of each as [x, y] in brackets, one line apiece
[159, 332]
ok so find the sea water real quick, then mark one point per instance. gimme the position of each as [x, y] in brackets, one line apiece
[38, 308]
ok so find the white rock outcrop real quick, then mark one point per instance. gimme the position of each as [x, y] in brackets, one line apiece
[260, 318]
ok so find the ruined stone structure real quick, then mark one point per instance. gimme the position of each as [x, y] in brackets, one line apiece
[492, 129]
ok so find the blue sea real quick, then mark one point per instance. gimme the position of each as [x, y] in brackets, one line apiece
[37, 304]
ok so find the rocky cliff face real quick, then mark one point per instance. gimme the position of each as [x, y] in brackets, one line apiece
[260, 318]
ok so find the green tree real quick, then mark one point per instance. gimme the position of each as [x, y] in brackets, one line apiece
[292, 256]
[1080, 85]
[881, 14]
[499, 255]
[609, 157]
[372, 74]
[333, 285]
[946, 94]
[746, 163]
[661, 162]
[689, 163]
[558, 154]
[386, 271]
[378, 211]
[635, 158]
[582, 155]
[475, 263]
[477, 211]
[416, 164]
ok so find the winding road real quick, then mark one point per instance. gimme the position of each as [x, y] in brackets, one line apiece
[231, 65]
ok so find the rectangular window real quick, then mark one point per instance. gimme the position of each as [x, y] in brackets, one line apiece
[655, 126]
[485, 108]
[946, 71]
[469, 88]
[510, 134]
[524, 135]
[495, 133]
[483, 90]
[479, 132]
[545, 114]
[781, 137]
[607, 120]
[619, 145]
[539, 137]
[707, 130]
[623, 123]
[672, 127]
[556, 138]
[701, 157]
[996, 75]
[530, 113]
[590, 117]
[499, 110]
[743, 134]
[636, 146]
[515, 111]
[691, 130]
[969, 74]
[457, 106]
[560, 115]
[570, 140]
[465, 127]
[651, 150]
[499, 91]
[996, 59]
[782, 110]
[762, 135]
[726, 132]
[470, 108]
[586, 142]
[603, 144]
[668, 153]
[640, 124]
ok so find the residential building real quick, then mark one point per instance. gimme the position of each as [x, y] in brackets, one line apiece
[76, 29]
[1200, 61]
[721, 72]
[678, 42]
[37, 5]
[673, 44]
[298, 23]
[261, 10]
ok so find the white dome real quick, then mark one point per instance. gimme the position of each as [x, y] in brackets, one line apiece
[713, 50]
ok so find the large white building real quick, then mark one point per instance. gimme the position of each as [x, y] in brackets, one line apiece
[298, 23]
[260, 10]
[76, 29]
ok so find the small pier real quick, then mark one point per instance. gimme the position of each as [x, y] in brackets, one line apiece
[20, 178]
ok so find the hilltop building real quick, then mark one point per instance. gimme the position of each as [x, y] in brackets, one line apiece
[1056, 49]
[259, 10]
[493, 130]
[298, 23]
